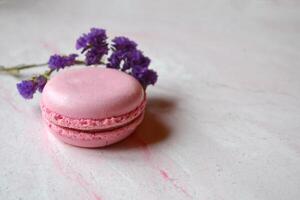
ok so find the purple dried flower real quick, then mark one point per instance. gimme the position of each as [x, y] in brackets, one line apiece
[114, 60]
[144, 75]
[97, 38]
[59, 62]
[93, 56]
[27, 88]
[123, 44]
[137, 58]
[41, 82]
[95, 43]
[128, 60]
[81, 42]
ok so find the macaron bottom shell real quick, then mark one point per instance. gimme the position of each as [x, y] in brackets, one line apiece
[89, 139]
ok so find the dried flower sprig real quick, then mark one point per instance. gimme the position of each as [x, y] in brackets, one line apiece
[123, 55]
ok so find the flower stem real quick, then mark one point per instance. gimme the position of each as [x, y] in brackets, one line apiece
[79, 62]
[15, 70]
[48, 73]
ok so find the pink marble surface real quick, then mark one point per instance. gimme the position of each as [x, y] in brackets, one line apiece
[222, 122]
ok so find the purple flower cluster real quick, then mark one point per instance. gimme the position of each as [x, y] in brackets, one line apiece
[145, 76]
[95, 44]
[27, 88]
[128, 58]
[57, 62]
[41, 82]
[124, 56]
[123, 44]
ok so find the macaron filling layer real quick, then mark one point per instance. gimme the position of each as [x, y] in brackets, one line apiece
[95, 138]
[91, 124]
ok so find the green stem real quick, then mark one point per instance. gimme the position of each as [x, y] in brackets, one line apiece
[79, 62]
[48, 73]
[15, 70]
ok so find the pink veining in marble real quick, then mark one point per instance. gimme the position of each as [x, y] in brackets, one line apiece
[166, 177]
[69, 172]
[163, 173]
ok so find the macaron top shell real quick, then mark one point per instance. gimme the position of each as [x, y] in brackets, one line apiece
[92, 93]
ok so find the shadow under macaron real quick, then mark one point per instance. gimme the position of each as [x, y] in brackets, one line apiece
[153, 129]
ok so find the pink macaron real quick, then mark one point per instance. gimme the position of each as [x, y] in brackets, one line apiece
[92, 107]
